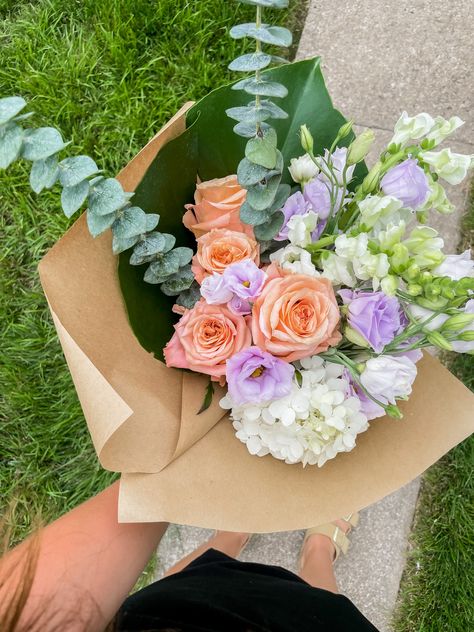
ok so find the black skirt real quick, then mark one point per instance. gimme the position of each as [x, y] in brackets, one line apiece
[216, 593]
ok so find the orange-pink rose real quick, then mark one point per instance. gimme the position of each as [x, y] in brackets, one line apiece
[219, 248]
[205, 337]
[216, 205]
[296, 316]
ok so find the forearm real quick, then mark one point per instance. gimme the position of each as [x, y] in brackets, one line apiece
[87, 556]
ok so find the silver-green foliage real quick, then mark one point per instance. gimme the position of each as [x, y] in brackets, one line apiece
[108, 204]
[260, 172]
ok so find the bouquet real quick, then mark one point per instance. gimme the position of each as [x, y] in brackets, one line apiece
[278, 279]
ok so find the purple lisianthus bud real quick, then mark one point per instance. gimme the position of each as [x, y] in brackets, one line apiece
[368, 407]
[408, 183]
[374, 315]
[239, 306]
[245, 279]
[214, 289]
[294, 205]
[255, 376]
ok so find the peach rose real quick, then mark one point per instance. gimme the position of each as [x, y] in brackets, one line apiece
[216, 205]
[205, 337]
[219, 248]
[296, 316]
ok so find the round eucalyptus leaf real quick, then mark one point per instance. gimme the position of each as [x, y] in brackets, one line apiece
[262, 195]
[250, 62]
[276, 35]
[152, 275]
[148, 248]
[249, 173]
[251, 216]
[262, 150]
[275, 110]
[120, 245]
[185, 255]
[75, 169]
[11, 139]
[98, 224]
[189, 297]
[106, 197]
[170, 241]
[152, 220]
[131, 222]
[44, 174]
[247, 130]
[268, 230]
[178, 282]
[9, 107]
[72, 198]
[282, 194]
[261, 87]
[249, 114]
[167, 264]
[41, 143]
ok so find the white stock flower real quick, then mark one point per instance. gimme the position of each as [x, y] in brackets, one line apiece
[376, 207]
[371, 267]
[391, 235]
[438, 200]
[456, 266]
[388, 377]
[300, 228]
[315, 422]
[443, 128]
[351, 246]
[338, 269]
[450, 166]
[412, 127]
[303, 169]
[295, 259]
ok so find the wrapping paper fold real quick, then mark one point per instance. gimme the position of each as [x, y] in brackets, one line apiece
[180, 467]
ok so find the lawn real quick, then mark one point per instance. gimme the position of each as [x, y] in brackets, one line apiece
[108, 75]
[438, 584]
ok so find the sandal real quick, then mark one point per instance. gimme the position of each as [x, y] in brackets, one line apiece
[337, 536]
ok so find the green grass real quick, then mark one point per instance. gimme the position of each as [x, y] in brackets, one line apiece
[437, 592]
[108, 74]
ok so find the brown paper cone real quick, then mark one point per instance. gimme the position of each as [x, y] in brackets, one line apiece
[191, 469]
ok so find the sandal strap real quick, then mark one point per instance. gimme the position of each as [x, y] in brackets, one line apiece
[336, 535]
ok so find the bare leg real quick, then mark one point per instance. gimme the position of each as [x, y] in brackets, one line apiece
[317, 560]
[227, 542]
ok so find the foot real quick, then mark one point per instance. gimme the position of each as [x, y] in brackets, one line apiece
[322, 545]
[236, 540]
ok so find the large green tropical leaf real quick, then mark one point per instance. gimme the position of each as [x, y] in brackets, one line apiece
[209, 148]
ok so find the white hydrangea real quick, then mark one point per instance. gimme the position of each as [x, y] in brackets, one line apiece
[300, 228]
[315, 422]
[295, 259]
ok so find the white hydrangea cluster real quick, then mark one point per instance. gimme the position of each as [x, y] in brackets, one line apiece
[312, 424]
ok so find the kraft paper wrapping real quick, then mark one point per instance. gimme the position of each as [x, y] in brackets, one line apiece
[180, 467]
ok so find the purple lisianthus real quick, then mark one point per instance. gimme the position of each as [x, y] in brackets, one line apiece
[374, 315]
[317, 193]
[368, 407]
[245, 279]
[214, 289]
[239, 306]
[255, 376]
[338, 160]
[294, 205]
[408, 183]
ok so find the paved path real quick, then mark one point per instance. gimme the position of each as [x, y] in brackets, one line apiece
[379, 58]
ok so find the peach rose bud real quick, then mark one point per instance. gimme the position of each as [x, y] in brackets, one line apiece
[217, 249]
[216, 205]
[296, 316]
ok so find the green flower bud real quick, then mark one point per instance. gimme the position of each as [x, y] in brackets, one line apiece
[371, 180]
[389, 284]
[360, 147]
[436, 339]
[414, 289]
[413, 271]
[353, 336]
[457, 322]
[433, 304]
[466, 336]
[422, 217]
[306, 139]
[400, 258]
[393, 411]
[345, 130]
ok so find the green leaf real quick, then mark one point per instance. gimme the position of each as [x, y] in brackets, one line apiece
[251, 216]
[72, 198]
[98, 224]
[282, 194]
[185, 255]
[130, 223]
[178, 282]
[261, 87]
[41, 143]
[44, 174]
[276, 35]
[249, 114]
[75, 169]
[147, 249]
[11, 139]
[170, 241]
[262, 150]
[251, 62]
[106, 197]
[247, 130]
[249, 173]
[267, 231]
[9, 107]
[167, 265]
[262, 195]
[121, 245]
[189, 297]
[275, 111]
[273, 4]
[152, 220]
[207, 401]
